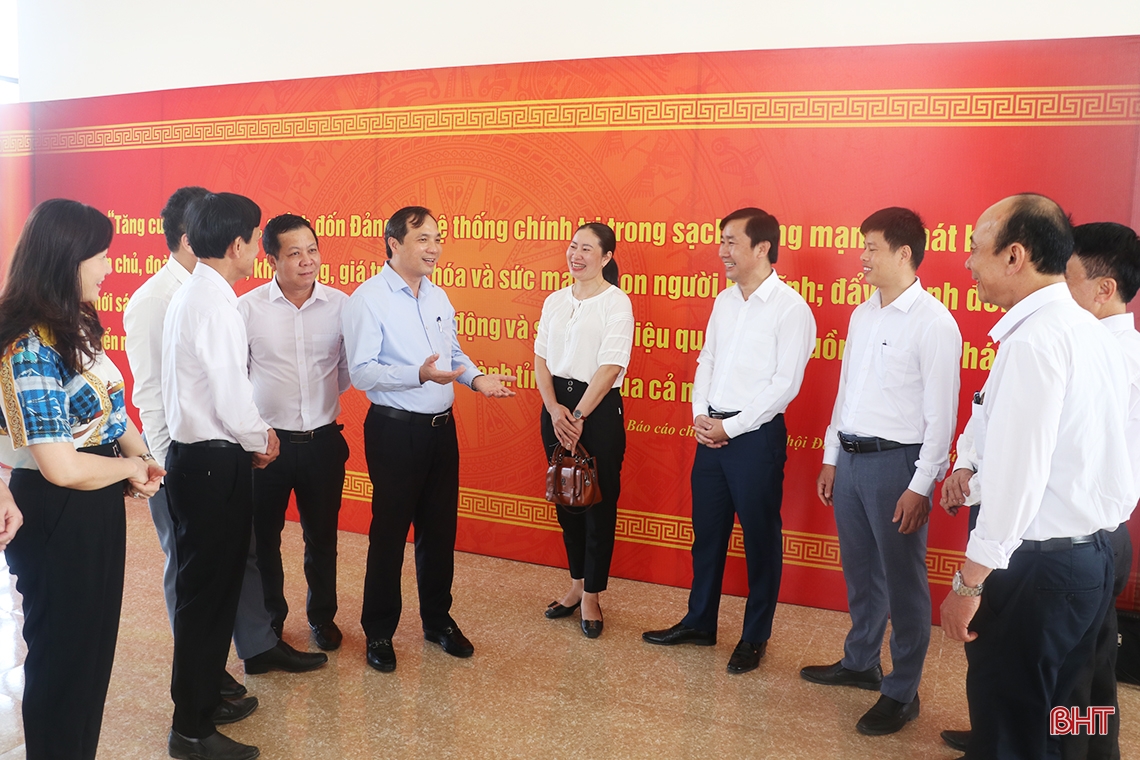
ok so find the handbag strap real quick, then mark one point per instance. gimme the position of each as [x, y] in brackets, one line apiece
[559, 451]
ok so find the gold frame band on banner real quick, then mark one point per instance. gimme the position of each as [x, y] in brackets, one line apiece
[651, 529]
[1081, 105]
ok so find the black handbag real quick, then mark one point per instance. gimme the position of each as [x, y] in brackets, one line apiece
[572, 479]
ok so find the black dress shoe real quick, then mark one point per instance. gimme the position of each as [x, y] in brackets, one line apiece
[233, 710]
[592, 628]
[746, 657]
[680, 634]
[452, 640]
[231, 689]
[286, 658]
[326, 636]
[837, 675]
[887, 716]
[213, 747]
[381, 655]
[555, 610]
[956, 739]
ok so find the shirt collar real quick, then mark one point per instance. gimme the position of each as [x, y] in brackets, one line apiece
[905, 299]
[1028, 306]
[215, 279]
[1119, 323]
[181, 273]
[764, 289]
[318, 293]
[396, 282]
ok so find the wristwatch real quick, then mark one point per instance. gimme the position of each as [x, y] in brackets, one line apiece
[578, 414]
[961, 589]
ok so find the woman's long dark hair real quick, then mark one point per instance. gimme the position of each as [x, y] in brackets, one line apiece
[608, 241]
[43, 287]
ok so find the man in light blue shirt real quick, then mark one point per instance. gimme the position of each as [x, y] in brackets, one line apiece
[399, 332]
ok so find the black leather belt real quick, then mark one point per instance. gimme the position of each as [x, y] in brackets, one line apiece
[854, 444]
[214, 444]
[435, 420]
[308, 436]
[714, 414]
[1057, 544]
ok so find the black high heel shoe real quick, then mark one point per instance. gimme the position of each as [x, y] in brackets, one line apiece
[555, 610]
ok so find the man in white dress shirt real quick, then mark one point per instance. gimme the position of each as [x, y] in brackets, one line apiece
[142, 322]
[399, 331]
[254, 637]
[759, 338]
[298, 369]
[217, 436]
[1103, 275]
[887, 444]
[1055, 473]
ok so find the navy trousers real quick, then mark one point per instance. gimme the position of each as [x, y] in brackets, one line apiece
[745, 479]
[1096, 681]
[885, 571]
[1037, 627]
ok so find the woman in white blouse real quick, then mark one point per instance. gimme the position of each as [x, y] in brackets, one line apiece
[581, 353]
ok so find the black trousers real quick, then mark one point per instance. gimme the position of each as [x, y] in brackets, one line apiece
[314, 471]
[1096, 681]
[414, 469]
[1037, 626]
[589, 537]
[210, 493]
[69, 559]
[745, 479]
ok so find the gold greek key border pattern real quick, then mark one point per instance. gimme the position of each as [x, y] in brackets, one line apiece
[961, 107]
[651, 529]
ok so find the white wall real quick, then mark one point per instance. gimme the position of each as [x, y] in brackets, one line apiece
[82, 48]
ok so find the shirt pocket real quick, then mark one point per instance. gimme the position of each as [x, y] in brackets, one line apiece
[896, 367]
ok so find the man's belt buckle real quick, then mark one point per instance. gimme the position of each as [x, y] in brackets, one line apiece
[303, 436]
[441, 419]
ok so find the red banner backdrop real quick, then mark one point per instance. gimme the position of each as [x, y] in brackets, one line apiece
[513, 157]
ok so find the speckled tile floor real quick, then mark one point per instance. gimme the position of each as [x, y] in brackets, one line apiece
[535, 688]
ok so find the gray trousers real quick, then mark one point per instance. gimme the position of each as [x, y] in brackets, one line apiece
[885, 570]
[252, 631]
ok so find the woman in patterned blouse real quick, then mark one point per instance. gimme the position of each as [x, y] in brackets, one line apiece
[64, 430]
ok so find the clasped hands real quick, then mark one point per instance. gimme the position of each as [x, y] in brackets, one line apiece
[566, 429]
[146, 479]
[709, 432]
